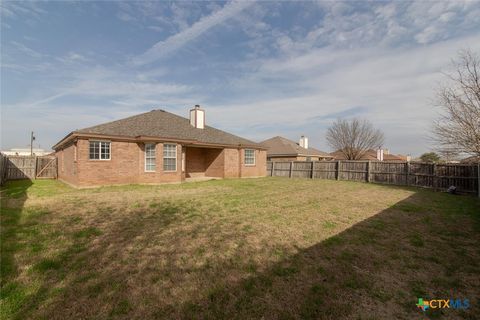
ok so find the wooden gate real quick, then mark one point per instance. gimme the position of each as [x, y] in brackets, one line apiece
[46, 168]
[31, 167]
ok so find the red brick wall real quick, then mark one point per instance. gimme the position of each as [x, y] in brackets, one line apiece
[215, 163]
[67, 166]
[127, 164]
[209, 161]
[226, 163]
[195, 162]
[257, 170]
[159, 176]
[232, 163]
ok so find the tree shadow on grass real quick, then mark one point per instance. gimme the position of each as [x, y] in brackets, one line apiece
[376, 269]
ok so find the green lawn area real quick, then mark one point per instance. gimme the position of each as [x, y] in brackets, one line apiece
[270, 248]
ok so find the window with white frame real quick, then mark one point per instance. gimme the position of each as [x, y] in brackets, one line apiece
[249, 157]
[99, 150]
[150, 157]
[169, 157]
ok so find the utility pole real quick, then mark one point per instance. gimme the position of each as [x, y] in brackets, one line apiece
[32, 138]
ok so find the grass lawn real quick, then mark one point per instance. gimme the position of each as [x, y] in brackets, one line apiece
[267, 248]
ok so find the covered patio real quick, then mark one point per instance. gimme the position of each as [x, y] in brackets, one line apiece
[203, 163]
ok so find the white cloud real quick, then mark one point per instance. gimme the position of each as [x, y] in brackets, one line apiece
[114, 87]
[16, 9]
[125, 16]
[427, 35]
[73, 57]
[99, 82]
[175, 42]
[51, 123]
[395, 85]
[180, 16]
[382, 56]
[155, 28]
[52, 119]
[28, 51]
[76, 57]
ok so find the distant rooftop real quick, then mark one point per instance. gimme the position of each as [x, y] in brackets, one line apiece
[277, 146]
[26, 151]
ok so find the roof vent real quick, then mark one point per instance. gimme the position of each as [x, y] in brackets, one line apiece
[303, 142]
[197, 117]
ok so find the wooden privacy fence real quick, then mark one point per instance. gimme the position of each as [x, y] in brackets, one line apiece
[3, 168]
[466, 177]
[31, 167]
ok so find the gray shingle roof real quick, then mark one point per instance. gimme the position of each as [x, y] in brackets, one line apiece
[282, 146]
[163, 124]
[370, 155]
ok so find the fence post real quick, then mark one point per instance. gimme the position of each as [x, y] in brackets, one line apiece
[368, 171]
[478, 174]
[434, 178]
[291, 168]
[338, 170]
[273, 169]
[36, 167]
[3, 168]
[407, 173]
[311, 173]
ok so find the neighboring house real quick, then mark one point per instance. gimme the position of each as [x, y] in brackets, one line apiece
[281, 149]
[26, 152]
[156, 147]
[374, 155]
[471, 160]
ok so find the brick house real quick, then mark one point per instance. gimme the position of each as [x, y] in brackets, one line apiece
[282, 149]
[155, 147]
[471, 160]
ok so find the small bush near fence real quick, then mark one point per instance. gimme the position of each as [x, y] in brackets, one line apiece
[465, 177]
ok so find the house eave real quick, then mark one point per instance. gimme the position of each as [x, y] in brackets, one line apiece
[75, 135]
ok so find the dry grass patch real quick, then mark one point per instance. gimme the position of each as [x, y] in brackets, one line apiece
[271, 248]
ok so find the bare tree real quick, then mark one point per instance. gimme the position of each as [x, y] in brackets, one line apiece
[448, 155]
[354, 138]
[458, 126]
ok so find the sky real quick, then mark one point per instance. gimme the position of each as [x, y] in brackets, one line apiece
[259, 69]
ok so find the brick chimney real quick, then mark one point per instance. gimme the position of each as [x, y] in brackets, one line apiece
[380, 154]
[303, 142]
[197, 117]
